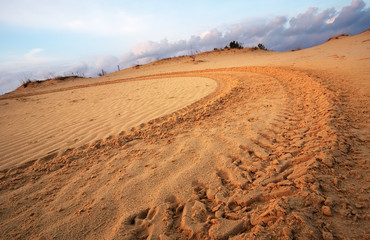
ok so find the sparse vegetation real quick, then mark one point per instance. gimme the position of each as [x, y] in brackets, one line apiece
[102, 73]
[338, 36]
[69, 75]
[25, 83]
[261, 46]
[296, 49]
[51, 76]
[193, 54]
[235, 44]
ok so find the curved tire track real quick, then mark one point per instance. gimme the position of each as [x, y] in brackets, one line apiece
[269, 172]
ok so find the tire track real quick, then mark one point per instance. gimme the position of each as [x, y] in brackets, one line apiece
[267, 141]
[250, 197]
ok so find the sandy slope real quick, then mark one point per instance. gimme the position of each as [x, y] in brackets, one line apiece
[33, 126]
[279, 151]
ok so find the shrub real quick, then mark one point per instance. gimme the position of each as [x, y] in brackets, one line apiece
[296, 49]
[261, 46]
[25, 83]
[68, 75]
[235, 44]
[338, 36]
[51, 76]
[102, 73]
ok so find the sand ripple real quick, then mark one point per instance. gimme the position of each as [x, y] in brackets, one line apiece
[37, 125]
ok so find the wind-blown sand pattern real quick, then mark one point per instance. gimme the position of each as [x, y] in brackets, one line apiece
[37, 125]
[280, 150]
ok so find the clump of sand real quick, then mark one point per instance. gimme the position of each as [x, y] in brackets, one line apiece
[278, 150]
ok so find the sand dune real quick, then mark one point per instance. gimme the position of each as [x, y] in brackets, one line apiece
[39, 125]
[279, 150]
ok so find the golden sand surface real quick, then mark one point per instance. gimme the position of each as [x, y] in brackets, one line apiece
[238, 144]
[34, 126]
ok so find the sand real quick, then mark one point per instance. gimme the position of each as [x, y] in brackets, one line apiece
[243, 144]
[34, 126]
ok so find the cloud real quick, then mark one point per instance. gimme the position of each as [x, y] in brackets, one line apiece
[33, 52]
[30, 59]
[34, 67]
[67, 15]
[280, 33]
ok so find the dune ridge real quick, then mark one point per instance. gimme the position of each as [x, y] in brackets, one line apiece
[275, 152]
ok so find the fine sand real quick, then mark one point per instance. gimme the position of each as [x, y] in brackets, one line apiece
[33, 126]
[238, 144]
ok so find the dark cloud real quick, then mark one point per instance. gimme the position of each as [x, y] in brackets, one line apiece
[281, 34]
[353, 19]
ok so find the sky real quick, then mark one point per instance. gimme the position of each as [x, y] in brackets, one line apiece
[40, 39]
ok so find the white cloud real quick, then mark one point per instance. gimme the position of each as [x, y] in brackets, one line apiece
[26, 61]
[304, 30]
[278, 33]
[33, 52]
[35, 67]
[330, 20]
[76, 16]
[31, 57]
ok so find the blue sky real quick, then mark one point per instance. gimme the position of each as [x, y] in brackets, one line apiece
[39, 38]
